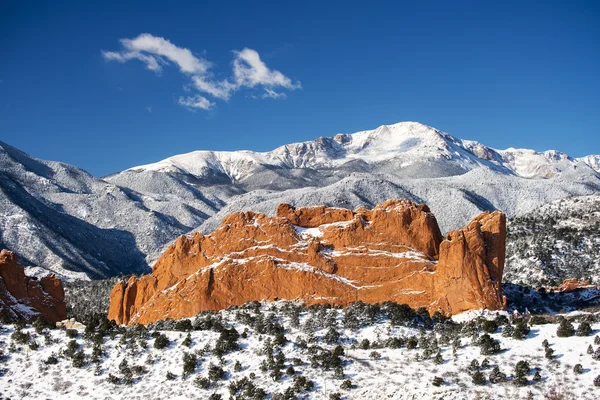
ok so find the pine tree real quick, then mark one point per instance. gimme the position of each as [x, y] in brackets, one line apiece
[565, 328]
[478, 378]
[496, 376]
[584, 329]
[521, 372]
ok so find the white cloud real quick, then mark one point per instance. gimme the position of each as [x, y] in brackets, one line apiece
[219, 89]
[271, 94]
[197, 101]
[249, 71]
[157, 51]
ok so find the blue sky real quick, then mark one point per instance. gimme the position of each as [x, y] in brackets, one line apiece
[509, 73]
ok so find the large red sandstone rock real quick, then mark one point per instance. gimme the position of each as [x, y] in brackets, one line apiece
[323, 255]
[27, 297]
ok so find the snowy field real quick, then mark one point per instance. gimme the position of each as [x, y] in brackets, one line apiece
[385, 368]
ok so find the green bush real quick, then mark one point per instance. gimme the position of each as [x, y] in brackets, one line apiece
[161, 341]
[478, 378]
[71, 333]
[189, 364]
[565, 328]
[584, 329]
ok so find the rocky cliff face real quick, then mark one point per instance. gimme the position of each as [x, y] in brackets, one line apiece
[323, 255]
[27, 297]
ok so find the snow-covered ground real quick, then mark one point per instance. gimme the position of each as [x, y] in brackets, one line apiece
[395, 374]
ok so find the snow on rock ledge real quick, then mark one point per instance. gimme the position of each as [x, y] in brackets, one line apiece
[27, 297]
[393, 252]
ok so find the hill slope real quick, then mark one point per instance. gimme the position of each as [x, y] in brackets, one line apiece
[557, 241]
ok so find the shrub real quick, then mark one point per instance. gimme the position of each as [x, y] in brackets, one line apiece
[72, 333]
[478, 378]
[346, 385]
[161, 341]
[365, 344]
[489, 326]
[538, 320]
[335, 396]
[187, 342]
[565, 328]
[597, 381]
[521, 372]
[237, 367]
[437, 381]
[215, 373]
[332, 336]
[496, 376]
[189, 363]
[537, 377]
[485, 364]
[171, 376]
[79, 359]
[438, 358]
[51, 360]
[375, 355]
[584, 329]
[521, 330]
[488, 345]
[202, 382]
[474, 366]
[549, 353]
[590, 349]
[72, 347]
[113, 379]
[508, 330]
[20, 337]
[411, 343]
[597, 340]
[578, 369]
[301, 383]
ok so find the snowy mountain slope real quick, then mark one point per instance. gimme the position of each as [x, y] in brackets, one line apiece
[592, 161]
[454, 200]
[557, 241]
[61, 218]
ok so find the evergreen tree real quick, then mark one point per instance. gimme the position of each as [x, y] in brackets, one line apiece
[478, 378]
[584, 329]
[565, 328]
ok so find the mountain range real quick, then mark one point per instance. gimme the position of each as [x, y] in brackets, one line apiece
[59, 218]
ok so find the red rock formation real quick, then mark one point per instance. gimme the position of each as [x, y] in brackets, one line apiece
[28, 297]
[323, 255]
[570, 285]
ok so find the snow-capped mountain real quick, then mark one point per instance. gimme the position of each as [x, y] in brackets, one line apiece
[402, 145]
[61, 218]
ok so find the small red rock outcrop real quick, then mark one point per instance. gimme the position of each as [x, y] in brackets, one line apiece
[570, 285]
[323, 255]
[26, 297]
